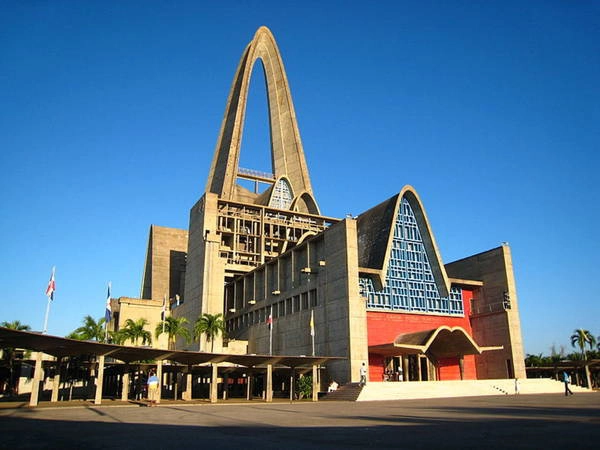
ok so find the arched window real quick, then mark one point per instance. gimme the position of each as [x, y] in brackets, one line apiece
[281, 197]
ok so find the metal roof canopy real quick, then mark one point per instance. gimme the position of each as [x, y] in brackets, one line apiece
[62, 347]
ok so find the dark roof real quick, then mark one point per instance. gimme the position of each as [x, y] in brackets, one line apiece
[373, 228]
[61, 347]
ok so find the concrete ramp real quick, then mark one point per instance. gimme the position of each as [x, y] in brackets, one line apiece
[460, 388]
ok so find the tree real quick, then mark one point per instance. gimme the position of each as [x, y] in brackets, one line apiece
[91, 330]
[117, 337]
[581, 337]
[135, 331]
[533, 360]
[210, 325]
[10, 354]
[174, 327]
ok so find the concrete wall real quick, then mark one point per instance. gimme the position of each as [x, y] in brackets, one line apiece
[491, 323]
[135, 309]
[164, 273]
[205, 271]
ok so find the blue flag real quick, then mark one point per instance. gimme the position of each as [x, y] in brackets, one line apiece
[108, 312]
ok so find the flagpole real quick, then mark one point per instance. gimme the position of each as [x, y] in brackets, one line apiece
[164, 313]
[46, 318]
[107, 313]
[50, 294]
[312, 330]
[271, 333]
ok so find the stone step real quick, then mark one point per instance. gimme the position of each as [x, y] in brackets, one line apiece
[349, 392]
[459, 388]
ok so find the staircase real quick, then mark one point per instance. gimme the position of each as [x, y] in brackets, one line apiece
[349, 392]
[460, 388]
[444, 389]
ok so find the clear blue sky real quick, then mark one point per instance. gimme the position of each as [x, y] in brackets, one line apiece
[110, 111]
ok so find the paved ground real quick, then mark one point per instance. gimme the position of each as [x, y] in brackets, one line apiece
[527, 421]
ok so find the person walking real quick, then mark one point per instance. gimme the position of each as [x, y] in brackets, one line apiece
[153, 386]
[566, 380]
[363, 374]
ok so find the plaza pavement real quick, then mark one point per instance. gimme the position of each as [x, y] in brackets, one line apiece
[548, 421]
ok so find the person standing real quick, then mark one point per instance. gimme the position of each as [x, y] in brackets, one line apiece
[517, 386]
[363, 374]
[153, 386]
[566, 380]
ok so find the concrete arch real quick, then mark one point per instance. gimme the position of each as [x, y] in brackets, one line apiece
[443, 341]
[287, 154]
[305, 202]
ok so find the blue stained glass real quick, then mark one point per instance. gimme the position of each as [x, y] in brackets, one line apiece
[410, 284]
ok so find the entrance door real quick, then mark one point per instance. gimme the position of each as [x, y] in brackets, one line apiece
[424, 368]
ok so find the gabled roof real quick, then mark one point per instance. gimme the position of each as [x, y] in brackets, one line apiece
[375, 230]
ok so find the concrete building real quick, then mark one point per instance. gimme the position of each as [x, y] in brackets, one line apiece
[289, 280]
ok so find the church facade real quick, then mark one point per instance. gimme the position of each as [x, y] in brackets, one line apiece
[289, 280]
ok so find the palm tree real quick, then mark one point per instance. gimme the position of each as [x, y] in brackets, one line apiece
[91, 330]
[9, 354]
[16, 325]
[533, 360]
[210, 325]
[581, 337]
[117, 337]
[135, 331]
[174, 327]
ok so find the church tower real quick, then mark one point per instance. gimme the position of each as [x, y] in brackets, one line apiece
[233, 229]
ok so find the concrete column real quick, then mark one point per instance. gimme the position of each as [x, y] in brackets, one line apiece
[249, 386]
[420, 376]
[225, 386]
[213, 383]
[37, 377]
[461, 366]
[188, 384]
[315, 384]
[269, 387]
[56, 382]
[405, 376]
[292, 384]
[125, 383]
[99, 381]
[159, 375]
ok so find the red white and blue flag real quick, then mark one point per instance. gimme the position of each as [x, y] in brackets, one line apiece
[108, 312]
[51, 286]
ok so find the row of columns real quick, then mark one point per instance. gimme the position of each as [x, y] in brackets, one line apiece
[187, 394]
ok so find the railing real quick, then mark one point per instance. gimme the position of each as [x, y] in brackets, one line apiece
[255, 173]
[490, 308]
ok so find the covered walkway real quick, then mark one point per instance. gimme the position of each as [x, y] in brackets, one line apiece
[185, 364]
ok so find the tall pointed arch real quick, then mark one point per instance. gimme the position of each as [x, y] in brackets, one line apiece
[376, 235]
[287, 154]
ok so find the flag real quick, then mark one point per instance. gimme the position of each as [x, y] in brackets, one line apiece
[108, 312]
[312, 323]
[270, 319]
[51, 286]
[163, 313]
